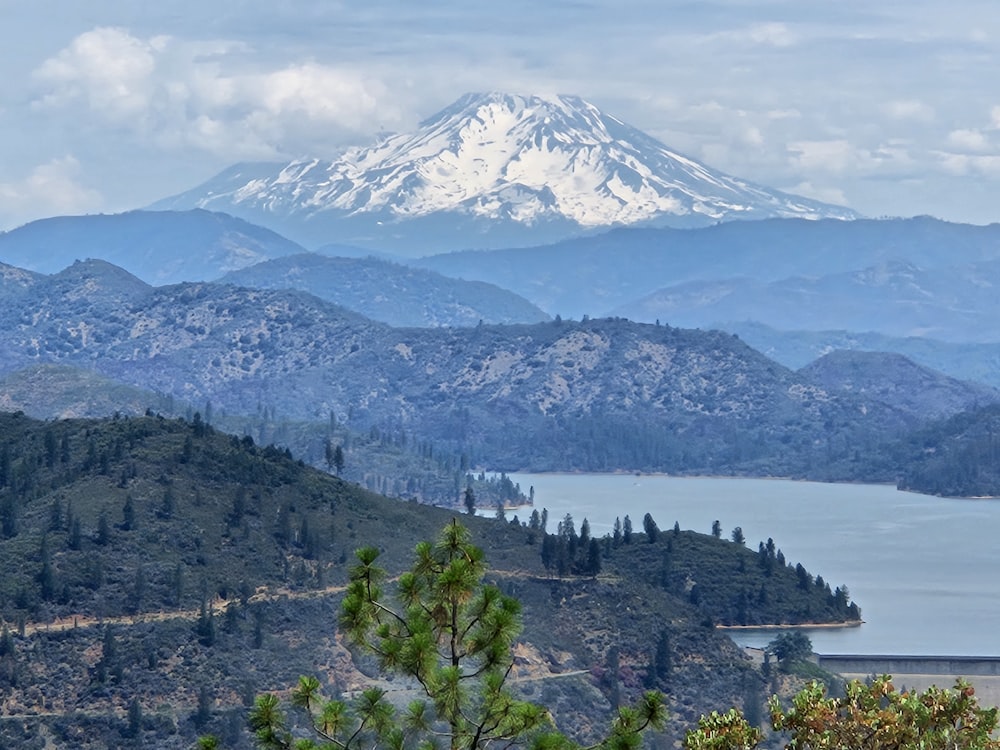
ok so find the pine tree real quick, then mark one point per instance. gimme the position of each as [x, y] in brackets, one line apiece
[134, 718]
[453, 635]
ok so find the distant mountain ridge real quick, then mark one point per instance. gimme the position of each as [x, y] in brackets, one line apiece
[160, 247]
[527, 396]
[489, 170]
[895, 298]
[389, 292]
[603, 274]
[899, 382]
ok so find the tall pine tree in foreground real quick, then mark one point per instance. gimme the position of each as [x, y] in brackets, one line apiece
[453, 635]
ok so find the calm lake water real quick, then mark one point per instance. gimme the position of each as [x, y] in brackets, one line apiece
[924, 570]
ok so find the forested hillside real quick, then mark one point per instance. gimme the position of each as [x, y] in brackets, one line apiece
[160, 573]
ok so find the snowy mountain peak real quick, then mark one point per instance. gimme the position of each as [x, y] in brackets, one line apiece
[494, 161]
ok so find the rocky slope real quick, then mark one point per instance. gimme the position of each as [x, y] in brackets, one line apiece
[594, 394]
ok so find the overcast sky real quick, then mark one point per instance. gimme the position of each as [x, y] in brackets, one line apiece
[890, 107]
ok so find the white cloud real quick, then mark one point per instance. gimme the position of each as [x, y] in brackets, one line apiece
[107, 68]
[828, 156]
[826, 194]
[773, 34]
[769, 34]
[995, 117]
[180, 95]
[969, 141]
[909, 109]
[50, 188]
[969, 164]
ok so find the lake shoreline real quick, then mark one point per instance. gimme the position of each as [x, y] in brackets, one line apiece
[787, 626]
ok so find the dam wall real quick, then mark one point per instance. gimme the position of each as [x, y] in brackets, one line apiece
[899, 665]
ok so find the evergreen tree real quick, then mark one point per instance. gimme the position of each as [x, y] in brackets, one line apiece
[103, 532]
[204, 713]
[469, 500]
[650, 527]
[107, 664]
[6, 642]
[658, 672]
[134, 718]
[55, 515]
[128, 514]
[453, 635]
[205, 627]
[46, 575]
[593, 565]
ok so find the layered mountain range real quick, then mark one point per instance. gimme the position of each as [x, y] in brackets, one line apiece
[599, 394]
[493, 170]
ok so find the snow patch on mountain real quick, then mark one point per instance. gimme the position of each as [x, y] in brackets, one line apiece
[502, 157]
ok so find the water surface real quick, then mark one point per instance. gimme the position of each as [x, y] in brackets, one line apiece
[924, 570]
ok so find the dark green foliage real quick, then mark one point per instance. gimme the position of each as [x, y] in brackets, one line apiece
[789, 648]
[128, 514]
[733, 585]
[569, 553]
[658, 672]
[134, 719]
[650, 527]
[204, 713]
[205, 626]
[6, 642]
[955, 457]
[103, 530]
[108, 664]
[469, 500]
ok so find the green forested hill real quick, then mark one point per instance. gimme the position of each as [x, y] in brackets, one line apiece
[158, 573]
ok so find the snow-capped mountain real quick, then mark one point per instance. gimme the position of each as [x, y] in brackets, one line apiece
[493, 170]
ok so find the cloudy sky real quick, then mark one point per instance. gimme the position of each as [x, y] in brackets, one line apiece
[892, 108]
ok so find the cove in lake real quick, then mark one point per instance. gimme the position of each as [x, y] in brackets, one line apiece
[924, 570]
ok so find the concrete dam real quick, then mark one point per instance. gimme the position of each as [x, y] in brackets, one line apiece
[952, 666]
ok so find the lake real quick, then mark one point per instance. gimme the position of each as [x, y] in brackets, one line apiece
[924, 570]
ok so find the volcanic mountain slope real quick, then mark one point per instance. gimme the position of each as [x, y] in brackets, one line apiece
[493, 170]
[389, 292]
[598, 394]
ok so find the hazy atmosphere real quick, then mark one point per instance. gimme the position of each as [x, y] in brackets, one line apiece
[890, 109]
